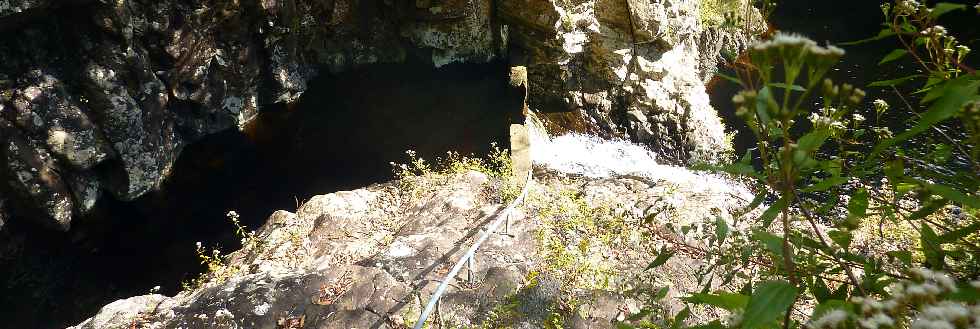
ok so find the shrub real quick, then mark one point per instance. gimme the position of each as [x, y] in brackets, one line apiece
[826, 176]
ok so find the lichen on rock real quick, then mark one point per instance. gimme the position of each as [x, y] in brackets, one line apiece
[372, 256]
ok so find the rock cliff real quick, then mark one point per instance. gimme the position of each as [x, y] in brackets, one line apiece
[101, 96]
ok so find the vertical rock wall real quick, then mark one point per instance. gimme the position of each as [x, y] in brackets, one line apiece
[99, 95]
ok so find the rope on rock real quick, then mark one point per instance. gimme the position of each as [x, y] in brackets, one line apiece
[468, 257]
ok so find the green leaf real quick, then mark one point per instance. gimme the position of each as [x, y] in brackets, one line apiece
[769, 300]
[842, 238]
[929, 208]
[931, 247]
[893, 82]
[884, 33]
[680, 317]
[790, 87]
[812, 140]
[953, 95]
[721, 229]
[773, 243]
[895, 54]
[903, 255]
[945, 7]
[857, 207]
[762, 106]
[825, 184]
[661, 258]
[966, 293]
[820, 290]
[756, 201]
[952, 194]
[724, 300]
[959, 233]
[773, 210]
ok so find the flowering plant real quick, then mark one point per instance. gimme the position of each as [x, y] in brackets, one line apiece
[830, 181]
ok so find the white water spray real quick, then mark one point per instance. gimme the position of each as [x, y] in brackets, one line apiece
[595, 157]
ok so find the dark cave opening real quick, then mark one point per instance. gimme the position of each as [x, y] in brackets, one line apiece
[342, 134]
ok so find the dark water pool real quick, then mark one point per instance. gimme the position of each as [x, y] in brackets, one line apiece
[341, 135]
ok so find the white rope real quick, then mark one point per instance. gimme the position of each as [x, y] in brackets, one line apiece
[470, 253]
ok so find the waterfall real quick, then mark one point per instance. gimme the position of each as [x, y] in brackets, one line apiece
[594, 157]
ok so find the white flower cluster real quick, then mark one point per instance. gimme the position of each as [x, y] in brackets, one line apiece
[907, 7]
[829, 320]
[919, 299]
[931, 278]
[883, 132]
[787, 40]
[936, 31]
[878, 320]
[877, 314]
[880, 105]
[819, 120]
[947, 314]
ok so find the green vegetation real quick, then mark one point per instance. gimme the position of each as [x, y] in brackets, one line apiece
[853, 226]
[420, 176]
[217, 269]
[733, 13]
[575, 238]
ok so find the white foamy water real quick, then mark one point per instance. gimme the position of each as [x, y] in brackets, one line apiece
[599, 158]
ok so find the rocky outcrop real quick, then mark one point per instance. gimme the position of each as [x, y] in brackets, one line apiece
[370, 258]
[103, 95]
[630, 69]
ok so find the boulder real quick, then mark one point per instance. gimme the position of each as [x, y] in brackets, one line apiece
[45, 110]
[131, 102]
[32, 174]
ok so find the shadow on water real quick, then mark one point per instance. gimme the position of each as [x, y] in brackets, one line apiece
[341, 135]
[835, 22]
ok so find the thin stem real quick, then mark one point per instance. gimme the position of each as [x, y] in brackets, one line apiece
[699, 251]
[816, 230]
[950, 140]
[911, 50]
[901, 214]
